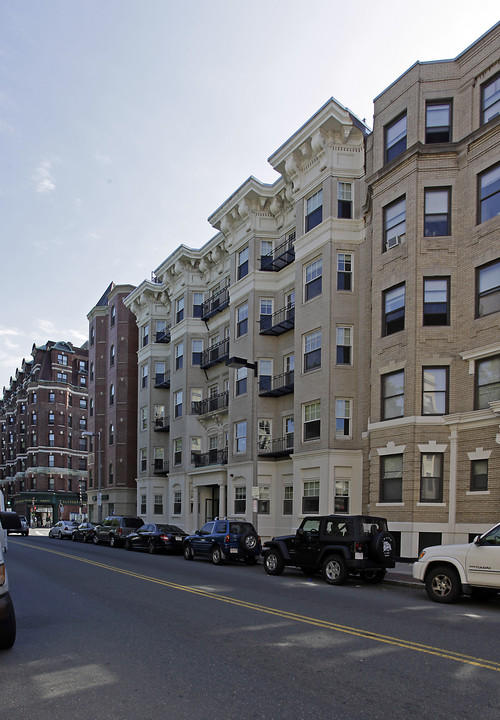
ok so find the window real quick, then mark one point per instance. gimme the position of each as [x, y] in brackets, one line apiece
[178, 404]
[241, 381]
[395, 138]
[177, 502]
[489, 194]
[490, 100]
[264, 434]
[83, 423]
[111, 394]
[62, 359]
[52, 396]
[479, 475]
[62, 377]
[391, 479]
[197, 349]
[242, 268]
[158, 505]
[487, 382]
[341, 499]
[91, 371]
[196, 398]
[159, 373]
[241, 437]
[436, 301]
[144, 376]
[240, 500]
[111, 434]
[145, 335]
[143, 504]
[177, 451]
[242, 320]
[344, 271]
[313, 279]
[197, 304]
[288, 500]
[83, 403]
[343, 346]
[488, 289]
[342, 418]
[161, 331]
[91, 408]
[195, 448]
[431, 477]
[266, 313]
[438, 122]
[52, 438]
[434, 391]
[92, 336]
[344, 196]
[437, 219]
[394, 224]
[314, 210]
[394, 310]
[264, 502]
[312, 351]
[112, 316]
[310, 498]
[265, 375]
[312, 420]
[179, 309]
[52, 417]
[289, 424]
[179, 356]
[159, 417]
[144, 459]
[144, 418]
[393, 399]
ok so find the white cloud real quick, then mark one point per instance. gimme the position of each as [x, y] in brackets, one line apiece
[43, 179]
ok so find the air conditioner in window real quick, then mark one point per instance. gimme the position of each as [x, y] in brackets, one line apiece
[393, 241]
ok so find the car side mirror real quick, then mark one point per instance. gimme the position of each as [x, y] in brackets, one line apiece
[198, 532]
[300, 532]
[477, 540]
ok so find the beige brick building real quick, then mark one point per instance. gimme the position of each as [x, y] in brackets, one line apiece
[360, 297]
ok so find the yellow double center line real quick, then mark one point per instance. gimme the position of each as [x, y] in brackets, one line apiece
[284, 614]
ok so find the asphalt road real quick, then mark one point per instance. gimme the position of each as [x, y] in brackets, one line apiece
[106, 634]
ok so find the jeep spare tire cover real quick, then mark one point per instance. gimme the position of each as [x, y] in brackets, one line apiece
[383, 546]
[248, 540]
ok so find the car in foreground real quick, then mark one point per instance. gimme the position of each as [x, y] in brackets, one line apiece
[23, 530]
[115, 528]
[84, 532]
[335, 545]
[156, 538]
[63, 529]
[449, 571]
[8, 521]
[224, 539]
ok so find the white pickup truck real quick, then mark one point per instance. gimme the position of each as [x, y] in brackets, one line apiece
[449, 571]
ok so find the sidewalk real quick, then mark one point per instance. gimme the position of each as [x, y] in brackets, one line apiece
[402, 574]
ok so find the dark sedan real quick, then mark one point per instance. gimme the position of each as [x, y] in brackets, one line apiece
[156, 538]
[84, 532]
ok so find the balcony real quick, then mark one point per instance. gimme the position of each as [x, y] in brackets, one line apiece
[211, 404]
[212, 457]
[216, 303]
[279, 322]
[279, 447]
[162, 380]
[160, 467]
[281, 256]
[162, 424]
[215, 354]
[276, 385]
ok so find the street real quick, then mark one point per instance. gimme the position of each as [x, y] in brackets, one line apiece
[106, 633]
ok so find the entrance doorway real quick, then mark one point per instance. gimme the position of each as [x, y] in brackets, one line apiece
[212, 503]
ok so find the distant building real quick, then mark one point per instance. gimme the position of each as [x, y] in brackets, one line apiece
[112, 412]
[43, 467]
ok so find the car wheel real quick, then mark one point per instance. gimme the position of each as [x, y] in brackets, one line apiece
[248, 540]
[383, 547]
[443, 584]
[273, 563]
[60, 535]
[217, 556]
[8, 627]
[188, 552]
[373, 577]
[334, 570]
[151, 547]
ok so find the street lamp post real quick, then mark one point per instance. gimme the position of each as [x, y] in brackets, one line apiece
[87, 433]
[236, 363]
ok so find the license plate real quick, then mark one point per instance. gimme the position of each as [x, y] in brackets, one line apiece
[358, 555]
[233, 550]
[179, 539]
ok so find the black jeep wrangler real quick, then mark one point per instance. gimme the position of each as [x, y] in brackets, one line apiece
[336, 545]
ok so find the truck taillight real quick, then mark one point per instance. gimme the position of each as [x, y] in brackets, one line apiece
[227, 538]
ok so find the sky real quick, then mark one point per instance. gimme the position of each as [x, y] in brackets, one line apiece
[124, 124]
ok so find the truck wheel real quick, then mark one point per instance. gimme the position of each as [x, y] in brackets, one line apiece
[373, 577]
[273, 563]
[334, 570]
[217, 556]
[8, 627]
[443, 584]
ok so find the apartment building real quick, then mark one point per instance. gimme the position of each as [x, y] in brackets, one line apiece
[112, 412]
[433, 226]
[43, 468]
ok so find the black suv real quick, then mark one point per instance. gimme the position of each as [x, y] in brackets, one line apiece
[224, 539]
[336, 545]
[115, 528]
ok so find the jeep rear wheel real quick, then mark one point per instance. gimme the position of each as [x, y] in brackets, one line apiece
[373, 577]
[217, 556]
[443, 584]
[383, 547]
[273, 563]
[334, 570]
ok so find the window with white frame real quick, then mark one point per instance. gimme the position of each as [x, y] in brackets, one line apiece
[487, 382]
[488, 289]
[112, 316]
[161, 330]
[242, 268]
[394, 223]
[195, 448]
[343, 419]
[391, 478]
[242, 320]
[145, 334]
[266, 313]
[312, 420]
[144, 376]
[437, 212]
[177, 502]
[198, 304]
[178, 403]
[143, 456]
[111, 356]
[344, 192]
[179, 309]
[158, 504]
[393, 310]
[241, 436]
[489, 194]
[310, 497]
[436, 301]
[288, 500]
[431, 478]
[159, 459]
[144, 418]
[344, 271]
[160, 373]
[197, 349]
[313, 285]
[393, 398]
[178, 451]
[395, 138]
[241, 381]
[312, 351]
[314, 210]
[265, 427]
[196, 398]
[159, 411]
[143, 504]
[179, 356]
[490, 99]
[111, 394]
[341, 499]
[288, 425]
[434, 390]
[264, 501]
[240, 500]
[438, 121]
[344, 349]
[265, 374]
[479, 475]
